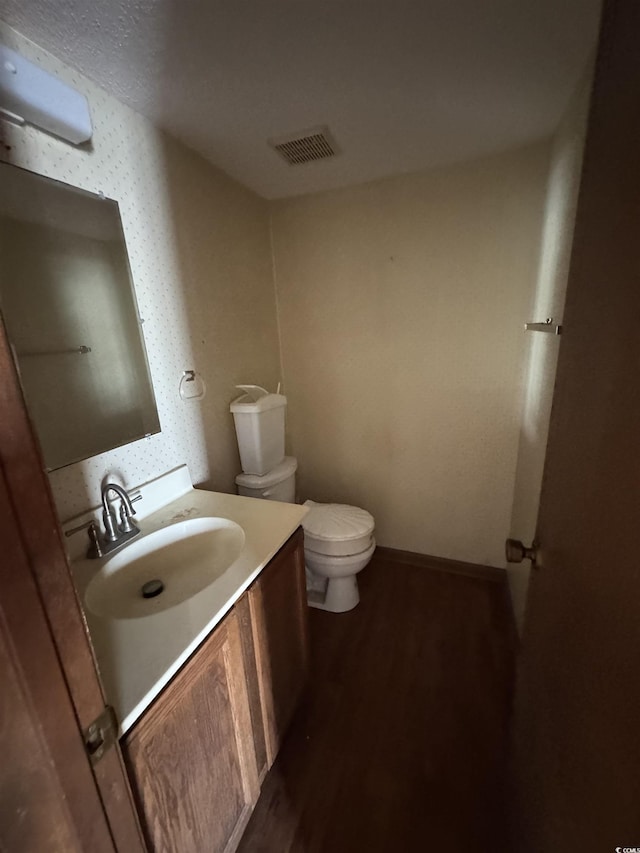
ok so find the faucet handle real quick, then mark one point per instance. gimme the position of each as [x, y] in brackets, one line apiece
[126, 525]
[95, 549]
[126, 511]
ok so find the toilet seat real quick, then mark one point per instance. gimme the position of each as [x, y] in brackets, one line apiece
[337, 530]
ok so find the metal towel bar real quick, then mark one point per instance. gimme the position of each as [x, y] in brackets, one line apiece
[81, 350]
[548, 326]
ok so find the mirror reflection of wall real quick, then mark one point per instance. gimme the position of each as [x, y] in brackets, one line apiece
[68, 304]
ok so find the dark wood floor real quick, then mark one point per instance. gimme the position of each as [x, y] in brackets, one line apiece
[402, 744]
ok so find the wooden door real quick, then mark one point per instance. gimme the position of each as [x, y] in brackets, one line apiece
[577, 711]
[50, 796]
[192, 756]
[279, 616]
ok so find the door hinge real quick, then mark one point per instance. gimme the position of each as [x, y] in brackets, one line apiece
[101, 734]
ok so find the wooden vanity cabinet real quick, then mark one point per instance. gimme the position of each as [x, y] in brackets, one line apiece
[191, 756]
[197, 756]
[279, 619]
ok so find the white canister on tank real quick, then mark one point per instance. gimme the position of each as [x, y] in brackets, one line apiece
[259, 421]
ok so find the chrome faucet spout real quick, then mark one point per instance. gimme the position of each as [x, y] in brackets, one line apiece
[115, 533]
[122, 494]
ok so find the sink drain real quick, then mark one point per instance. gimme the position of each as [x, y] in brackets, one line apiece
[152, 588]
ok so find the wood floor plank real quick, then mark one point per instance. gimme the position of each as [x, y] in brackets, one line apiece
[402, 743]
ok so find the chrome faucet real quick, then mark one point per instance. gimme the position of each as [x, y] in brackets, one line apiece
[116, 533]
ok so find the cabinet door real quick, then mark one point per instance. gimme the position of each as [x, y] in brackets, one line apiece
[243, 610]
[278, 604]
[191, 757]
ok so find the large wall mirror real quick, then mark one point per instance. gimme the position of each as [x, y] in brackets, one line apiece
[70, 312]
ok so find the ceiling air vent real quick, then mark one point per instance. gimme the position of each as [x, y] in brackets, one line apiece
[305, 146]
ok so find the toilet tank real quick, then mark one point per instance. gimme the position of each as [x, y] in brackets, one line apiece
[259, 422]
[278, 485]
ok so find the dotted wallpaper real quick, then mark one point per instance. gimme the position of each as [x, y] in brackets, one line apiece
[200, 256]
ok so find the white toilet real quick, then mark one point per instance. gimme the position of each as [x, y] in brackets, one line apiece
[338, 543]
[338, 539]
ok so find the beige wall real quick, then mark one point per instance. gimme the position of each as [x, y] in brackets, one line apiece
[542, 349]
[201, 260]
[401, 305]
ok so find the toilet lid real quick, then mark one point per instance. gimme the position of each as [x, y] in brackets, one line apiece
[337, 522]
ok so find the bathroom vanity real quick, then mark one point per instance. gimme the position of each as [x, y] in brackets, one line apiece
[203, 684]
[198, 754]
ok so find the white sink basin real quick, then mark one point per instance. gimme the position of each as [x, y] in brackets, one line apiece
[185, 557]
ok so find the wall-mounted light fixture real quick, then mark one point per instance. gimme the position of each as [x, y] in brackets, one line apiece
[29, 94]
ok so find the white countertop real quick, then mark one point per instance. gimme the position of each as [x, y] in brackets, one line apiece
[137, 657]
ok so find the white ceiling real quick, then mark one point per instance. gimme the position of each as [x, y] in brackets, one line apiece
[402, 84]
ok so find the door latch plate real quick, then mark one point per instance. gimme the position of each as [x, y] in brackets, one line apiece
[101, 734]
